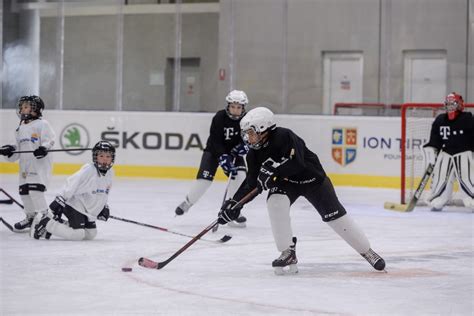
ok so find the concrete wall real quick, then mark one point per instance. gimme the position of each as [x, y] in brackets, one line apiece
[91, 56]
[272, 49]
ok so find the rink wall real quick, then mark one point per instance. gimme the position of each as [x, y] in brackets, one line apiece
[357, 151]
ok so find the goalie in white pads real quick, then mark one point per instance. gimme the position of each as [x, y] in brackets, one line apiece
[83, 199]
[33, 134]
[280, 162]
[224, 148]
[450, 149]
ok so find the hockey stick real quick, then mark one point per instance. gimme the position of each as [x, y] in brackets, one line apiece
[50, 150]
[215, 228]
[10, 227]
[11, 198]
[147, 263]
[6, 201]
[411, 205]
[224, 239]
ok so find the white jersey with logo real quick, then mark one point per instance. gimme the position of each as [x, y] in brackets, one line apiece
[30, 136]
[87, 190]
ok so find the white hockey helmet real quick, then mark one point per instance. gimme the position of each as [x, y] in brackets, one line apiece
[236, 96]
[258, 120]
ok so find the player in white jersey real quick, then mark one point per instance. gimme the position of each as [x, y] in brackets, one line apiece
[82, 201]
[33, 134]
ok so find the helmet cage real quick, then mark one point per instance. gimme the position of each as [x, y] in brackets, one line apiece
[103, 147]
[261, 137]
[36, 107]
[453, 105]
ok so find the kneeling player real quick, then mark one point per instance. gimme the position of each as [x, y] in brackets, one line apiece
[82, 200]
[280, 162]
[450, 149]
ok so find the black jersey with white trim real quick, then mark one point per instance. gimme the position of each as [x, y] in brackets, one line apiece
[452, 136]
[224, 134]
[302, 167]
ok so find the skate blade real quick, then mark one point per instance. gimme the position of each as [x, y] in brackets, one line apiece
[291, 269]
[237, 225]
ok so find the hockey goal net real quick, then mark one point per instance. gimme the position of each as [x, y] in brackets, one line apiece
[416, 126]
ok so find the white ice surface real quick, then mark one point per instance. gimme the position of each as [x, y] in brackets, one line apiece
[429, 260]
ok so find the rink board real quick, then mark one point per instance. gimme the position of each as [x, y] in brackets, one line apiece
[360, 151]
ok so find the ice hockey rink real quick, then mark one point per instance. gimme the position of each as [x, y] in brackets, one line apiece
[429, 260]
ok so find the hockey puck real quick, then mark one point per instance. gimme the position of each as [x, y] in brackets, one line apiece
[126, 269]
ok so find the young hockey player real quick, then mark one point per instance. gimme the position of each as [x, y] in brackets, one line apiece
[225, 148]
[83, 199]
[33, 133]
[450, 149]
[280, 162]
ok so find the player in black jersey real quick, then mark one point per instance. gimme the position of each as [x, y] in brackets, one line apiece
[450, 149]
[280, 162]
[225, 148]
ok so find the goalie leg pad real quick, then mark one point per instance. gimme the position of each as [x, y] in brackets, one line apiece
[279, 212]
[464, 169]
[442, 181]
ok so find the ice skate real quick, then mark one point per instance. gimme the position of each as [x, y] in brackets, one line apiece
[40, 228]
[240, 222]
[24, 224]
[434, 209]
[286, 263]
[374, 259]
[183, 207]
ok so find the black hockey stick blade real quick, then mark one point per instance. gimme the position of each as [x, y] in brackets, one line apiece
[9, 201]
[10, 227]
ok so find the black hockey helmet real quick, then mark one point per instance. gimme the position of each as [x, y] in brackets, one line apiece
[37, 107]
[101, 147]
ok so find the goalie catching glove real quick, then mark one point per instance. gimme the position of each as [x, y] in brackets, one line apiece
[229, 212]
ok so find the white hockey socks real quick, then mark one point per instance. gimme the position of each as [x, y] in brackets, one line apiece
[62, 230]
[349, 231]
[197, 190]
[279, 212]
[33, 203]
[235, 183]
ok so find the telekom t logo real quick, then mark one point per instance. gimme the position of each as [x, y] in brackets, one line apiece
[228, 132]
[444, 131]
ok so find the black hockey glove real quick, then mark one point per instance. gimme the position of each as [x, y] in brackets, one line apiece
[7, 150]
[240, 150]
[266, 178]
[227, 164]
[40, 152]
[57, 206]
[104, 214]
[228, 212]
